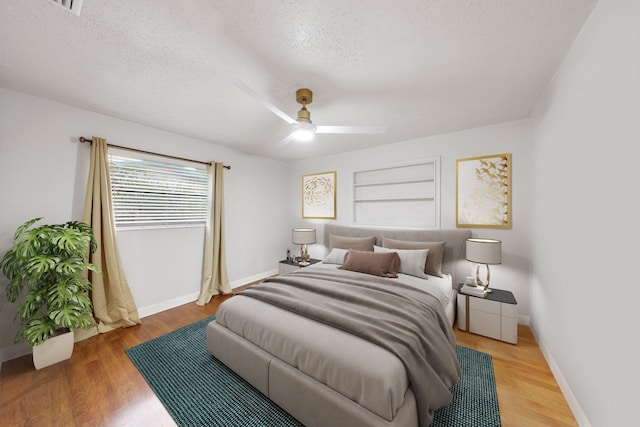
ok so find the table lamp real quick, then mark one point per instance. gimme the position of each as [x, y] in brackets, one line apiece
[484, 251]
[303, 237]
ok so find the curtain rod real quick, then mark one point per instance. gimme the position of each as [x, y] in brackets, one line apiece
[83, 140]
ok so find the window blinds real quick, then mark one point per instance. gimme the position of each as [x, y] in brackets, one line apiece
[152, 193]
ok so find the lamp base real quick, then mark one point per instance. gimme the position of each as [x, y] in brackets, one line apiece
[304, 255]
[483, 283]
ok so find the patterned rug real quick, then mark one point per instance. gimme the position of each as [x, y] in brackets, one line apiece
[198, 390]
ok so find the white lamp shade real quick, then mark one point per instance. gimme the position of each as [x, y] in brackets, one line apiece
[303, 236]
[484, 251]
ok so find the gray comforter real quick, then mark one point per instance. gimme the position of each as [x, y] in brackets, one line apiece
[409, 323]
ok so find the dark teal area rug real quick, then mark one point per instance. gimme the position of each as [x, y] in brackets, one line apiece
[198, 390]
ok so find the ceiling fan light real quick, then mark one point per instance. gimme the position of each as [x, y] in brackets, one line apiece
[302, 134]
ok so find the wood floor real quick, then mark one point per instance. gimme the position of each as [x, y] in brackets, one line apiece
[99, 386]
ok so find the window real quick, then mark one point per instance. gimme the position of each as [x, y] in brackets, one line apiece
[147, 192]
[405, 195]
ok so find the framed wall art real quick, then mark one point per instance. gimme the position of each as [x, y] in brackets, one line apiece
[319, 195]
[483, 191]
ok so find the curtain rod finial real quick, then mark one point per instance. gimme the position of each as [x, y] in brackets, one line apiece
[83, 139]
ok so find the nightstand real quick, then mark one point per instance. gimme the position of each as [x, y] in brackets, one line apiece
[288, 267]
[494, 316]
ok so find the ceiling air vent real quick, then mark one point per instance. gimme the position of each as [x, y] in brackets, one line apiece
[70, 5]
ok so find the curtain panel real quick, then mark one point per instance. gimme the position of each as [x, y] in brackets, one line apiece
[214, 271]
[113, 303]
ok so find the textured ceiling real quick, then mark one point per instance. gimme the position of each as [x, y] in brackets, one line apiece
[420, 67]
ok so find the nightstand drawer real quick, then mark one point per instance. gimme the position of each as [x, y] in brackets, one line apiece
[287, 268]
[509, 330]
[509, 310]
[486, 324]
[483, 305]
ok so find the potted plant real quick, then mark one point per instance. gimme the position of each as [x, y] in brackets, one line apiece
[45, 270]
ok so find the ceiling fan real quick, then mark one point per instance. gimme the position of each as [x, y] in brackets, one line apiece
[302, 127]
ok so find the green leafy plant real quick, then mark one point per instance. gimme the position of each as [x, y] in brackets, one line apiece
[45, 265]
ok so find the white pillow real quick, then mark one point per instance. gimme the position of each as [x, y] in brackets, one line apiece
[336, 256]
[412, 261]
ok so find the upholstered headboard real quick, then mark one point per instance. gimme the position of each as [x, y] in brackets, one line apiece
[453, 261]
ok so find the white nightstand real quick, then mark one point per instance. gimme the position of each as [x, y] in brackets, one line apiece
[494, 316]
[288, 266]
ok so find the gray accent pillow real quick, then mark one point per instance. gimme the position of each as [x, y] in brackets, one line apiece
[412, 261]
[434, 259]
[336, 256]
[384, 264]
[357, 243]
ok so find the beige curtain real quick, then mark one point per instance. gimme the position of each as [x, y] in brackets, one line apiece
[214, 270]
[113, 304]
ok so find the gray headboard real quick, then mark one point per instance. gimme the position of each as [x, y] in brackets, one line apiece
[453, 261]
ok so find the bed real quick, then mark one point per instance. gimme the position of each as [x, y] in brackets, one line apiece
[336, 347]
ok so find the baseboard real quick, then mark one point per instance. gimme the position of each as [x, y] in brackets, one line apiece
[14, 351]
[578, 413]
[254, 278]
[185, 299]
[18, 350]
[524, 320]
[166, 305]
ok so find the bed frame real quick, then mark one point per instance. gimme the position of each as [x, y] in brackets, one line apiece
[309, 401]
[453, 261]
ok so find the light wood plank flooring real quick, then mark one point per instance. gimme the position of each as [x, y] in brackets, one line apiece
[99, 386]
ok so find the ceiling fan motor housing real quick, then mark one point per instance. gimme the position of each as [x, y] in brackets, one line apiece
[304, 97]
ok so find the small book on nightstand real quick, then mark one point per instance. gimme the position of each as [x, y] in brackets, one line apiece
[477, 291]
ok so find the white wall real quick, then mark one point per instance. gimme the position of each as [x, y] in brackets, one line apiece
[583, 291]
[512, 137]
[43, 172]
[568, 259]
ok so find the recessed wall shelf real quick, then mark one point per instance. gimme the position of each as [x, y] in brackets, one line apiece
[391, 200]
[398, 195]
[393, 183]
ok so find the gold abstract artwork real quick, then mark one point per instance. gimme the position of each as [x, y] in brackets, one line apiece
[483, 191]
[319, 195]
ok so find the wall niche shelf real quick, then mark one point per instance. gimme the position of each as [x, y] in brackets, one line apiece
[404, 194]
[374, 184]
[392, 200]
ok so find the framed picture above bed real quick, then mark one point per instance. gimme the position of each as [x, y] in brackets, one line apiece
[483, 191]
[319, 195]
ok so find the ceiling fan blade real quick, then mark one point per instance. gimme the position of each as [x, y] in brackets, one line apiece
[285, 141]
[351, 129]
[275, 110]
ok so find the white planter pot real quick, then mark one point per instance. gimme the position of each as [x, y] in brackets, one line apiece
[53, 350]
